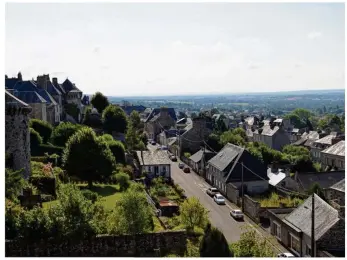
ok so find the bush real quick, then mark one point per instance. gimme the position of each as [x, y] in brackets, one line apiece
[214, 244]
[63, 132]
[42, 127]
[35, 140]
[90, 195]
[47, 197]
[14, 183]
[118, 151]
[46, 185]
[42, 159]
[123, 180]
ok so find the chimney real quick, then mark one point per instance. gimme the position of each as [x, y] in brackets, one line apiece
[55, 81]
[335, 140]
[274, 168]
[42, 81]
[6, 77]
[19, 76]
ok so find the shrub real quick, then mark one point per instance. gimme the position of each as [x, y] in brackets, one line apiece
[63, 132]
[13, 214]
[14, 183]
[214, 244]
[187, 155]
[123, 180]
[42, 159]
[47, 197]
[118, 151]
[35, 140]
[107, 138]
[90, 195]
[42, 127]
[46, 185]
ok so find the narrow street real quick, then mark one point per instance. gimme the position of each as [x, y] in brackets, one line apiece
[219, 215]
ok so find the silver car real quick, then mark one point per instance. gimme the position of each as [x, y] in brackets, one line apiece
[236, 213]
[219, 199]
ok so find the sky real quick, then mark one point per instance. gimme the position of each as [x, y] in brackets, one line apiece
[125, 49]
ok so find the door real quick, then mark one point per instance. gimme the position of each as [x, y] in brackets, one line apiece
[156, 170]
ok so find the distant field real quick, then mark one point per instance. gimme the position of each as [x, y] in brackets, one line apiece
[239, 104]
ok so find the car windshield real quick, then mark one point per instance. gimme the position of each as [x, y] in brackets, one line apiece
[219, 197]
[213, 189]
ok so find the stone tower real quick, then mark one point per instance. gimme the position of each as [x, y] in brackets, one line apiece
[17, 137]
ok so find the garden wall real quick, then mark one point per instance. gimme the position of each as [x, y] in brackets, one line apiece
[251, 208]
[233, 194]
[160, 244]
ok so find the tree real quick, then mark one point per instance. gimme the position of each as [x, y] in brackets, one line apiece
[252, 245]
[213, 142]
[91, 119]
[214, 243]
[73, 110]
[193, 214]
[14, 183]
[123, 180]
[63, 132]
[114, 119]
[99, 101]
[295, 120]
[135, 120]
[241, 132]
[87, 157]
[220, 125]
[118, 151]
[132, 215]
[42, 127]
[230, 137]
[295, 150]
[317, 189]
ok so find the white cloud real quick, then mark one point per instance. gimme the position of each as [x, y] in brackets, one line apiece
[314, 35]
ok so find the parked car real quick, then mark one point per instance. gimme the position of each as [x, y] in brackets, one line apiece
[181, 165]
[164, 148]
[236, 214]
[285, 255]
[173, 158]
[153, 142]
[186, 169]
[219, 199]
[212, 191]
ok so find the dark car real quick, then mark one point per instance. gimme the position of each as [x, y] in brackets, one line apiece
[153, 143]
[173, 158]
[186, 169]
[181, 165]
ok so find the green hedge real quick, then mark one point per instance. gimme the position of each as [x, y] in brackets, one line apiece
[42, 159]
[50, 149]
[46, 185]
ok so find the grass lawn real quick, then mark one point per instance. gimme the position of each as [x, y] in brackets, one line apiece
[109, 195]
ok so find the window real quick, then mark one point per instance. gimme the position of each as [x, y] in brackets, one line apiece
[294, 244]
[277, 230]
[308, 251]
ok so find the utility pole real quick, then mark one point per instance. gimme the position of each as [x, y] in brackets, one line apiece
[312, 228]
[243, 204]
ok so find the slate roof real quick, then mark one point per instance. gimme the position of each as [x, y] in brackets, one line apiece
[325, 217]
[52, 89]
[182, 121]
[267, 130]
[156, 111]
[340, 186]
[336, 149]
[29, 97]
[69, 86]
[10, 83]
[12, 100]
[28, 85]
[197, 157]
[49, 99]
[326, 140]
[129, 109]
[324, 179]
[226, 156]
[156, 157]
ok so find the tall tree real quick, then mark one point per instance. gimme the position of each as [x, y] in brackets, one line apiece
[193, 214]
[214, 243]
[114, 119]
[87, 157]
[135, 120]
[99, 101]
[63, 132]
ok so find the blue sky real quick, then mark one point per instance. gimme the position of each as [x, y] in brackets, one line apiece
[159, 49]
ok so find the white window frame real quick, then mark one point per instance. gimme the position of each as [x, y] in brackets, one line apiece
[292, 236]
[278, 226]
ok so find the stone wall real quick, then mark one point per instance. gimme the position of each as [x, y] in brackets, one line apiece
[17, 141]
[251, 208]
[39, 111]
[173, 242]
[233, 194]
[336, 195]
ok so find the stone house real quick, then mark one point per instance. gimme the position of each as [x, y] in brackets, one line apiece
[227, 167]
[156, 163]
[334, 156]
[194, 136]
[251, 122]
[37, 103]
[293, 230]
[17, 137]
[274, 137]
[323, 143]
[158, 120]
[308, 138]
[336, 193]
[73, 95]
[198, 161]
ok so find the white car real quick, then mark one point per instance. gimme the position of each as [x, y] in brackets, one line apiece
[285, 255]
[219, 199]
[236, 213]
